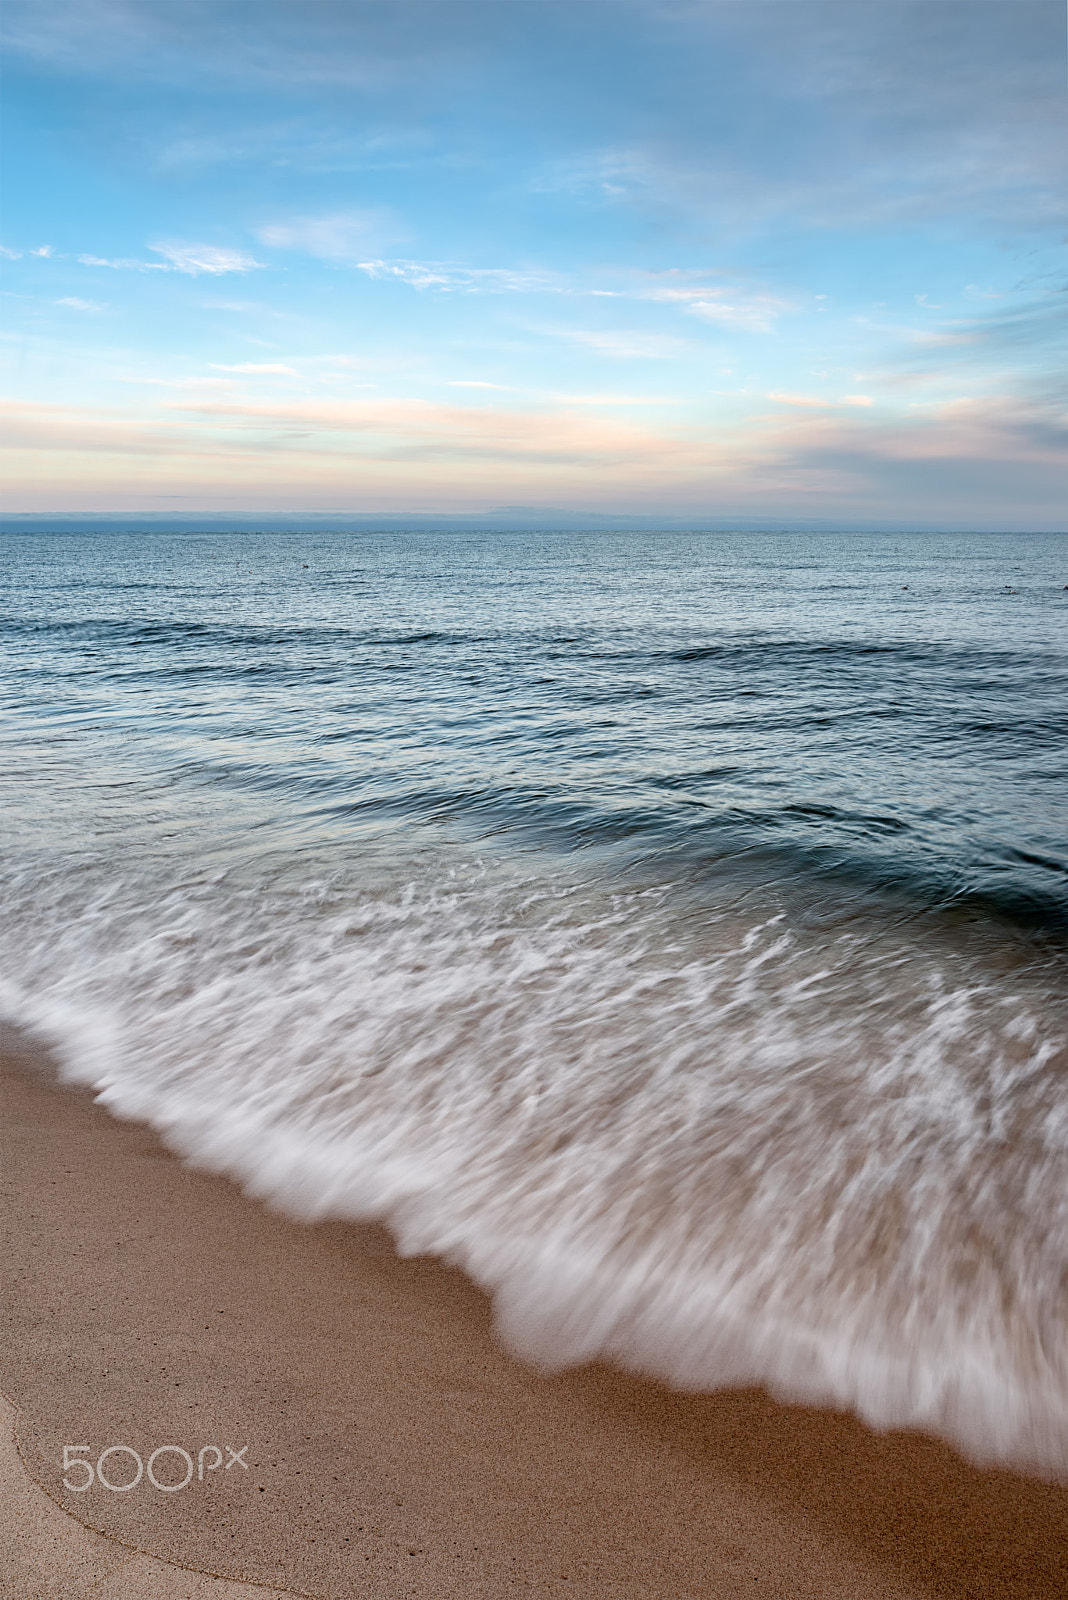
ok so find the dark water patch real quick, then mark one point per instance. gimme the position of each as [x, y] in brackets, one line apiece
[799, 849]
[687, 780]
[1054, 864]
[848, 819]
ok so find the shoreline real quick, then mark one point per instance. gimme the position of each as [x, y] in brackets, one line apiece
[394, 1447]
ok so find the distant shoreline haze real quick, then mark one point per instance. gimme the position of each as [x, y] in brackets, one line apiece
[508, 519]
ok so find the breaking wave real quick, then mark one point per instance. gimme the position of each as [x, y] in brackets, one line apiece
[716, 1145]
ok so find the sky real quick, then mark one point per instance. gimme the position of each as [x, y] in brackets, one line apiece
[764, 259]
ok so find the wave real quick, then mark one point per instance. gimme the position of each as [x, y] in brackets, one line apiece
[715, 1146]
[626, 645]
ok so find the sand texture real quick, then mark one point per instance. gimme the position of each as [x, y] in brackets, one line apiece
[394, 1448]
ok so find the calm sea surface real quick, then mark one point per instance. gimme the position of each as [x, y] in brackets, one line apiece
[670, 928]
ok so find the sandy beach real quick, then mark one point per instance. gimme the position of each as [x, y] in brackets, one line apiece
[393, 1447]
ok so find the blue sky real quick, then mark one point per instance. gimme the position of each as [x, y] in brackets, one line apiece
[784, 259]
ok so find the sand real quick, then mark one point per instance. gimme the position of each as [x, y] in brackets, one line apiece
[393, 1447]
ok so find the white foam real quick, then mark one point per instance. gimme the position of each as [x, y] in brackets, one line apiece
[715, 1149]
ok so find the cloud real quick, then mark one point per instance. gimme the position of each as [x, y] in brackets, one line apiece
[755, 311]
[757, 316]
[425, 429]
[1019, 346]
[76, 304]
[274, 368]
[194, 260]
[214, 260]
[447, 275]
[124, 264]
[980, 465]
[478, 383]
[339, 236]
[1037, 324]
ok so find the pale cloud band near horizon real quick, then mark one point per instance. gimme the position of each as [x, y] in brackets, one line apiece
[396, 456]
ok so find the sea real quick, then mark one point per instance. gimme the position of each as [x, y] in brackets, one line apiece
[668, 928]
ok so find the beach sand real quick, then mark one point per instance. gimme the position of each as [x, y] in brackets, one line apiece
[393, 1447]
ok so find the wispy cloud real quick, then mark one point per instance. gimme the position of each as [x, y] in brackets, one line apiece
[751, 310]
[194, 260]
[448, 275]
[758, 315]
[76, 304]
[123, 263]
[210, 259]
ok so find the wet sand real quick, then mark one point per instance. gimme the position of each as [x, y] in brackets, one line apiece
[393, 1447]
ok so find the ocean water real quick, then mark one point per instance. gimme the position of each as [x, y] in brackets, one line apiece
[671, 929]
